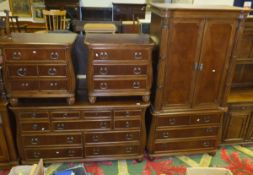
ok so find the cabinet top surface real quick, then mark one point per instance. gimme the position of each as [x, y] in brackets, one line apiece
[169, 6]
[39, 38]
[116, 39]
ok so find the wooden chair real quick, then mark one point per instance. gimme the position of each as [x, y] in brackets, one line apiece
[15, 25]
[55, 20]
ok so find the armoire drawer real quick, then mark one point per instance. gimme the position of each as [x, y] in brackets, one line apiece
[54, 84]
[97, 114]
[33, 115]
[52, 70]
[41, 126]
[181, 145]
[127, 124]
[112, 150]
[57, 153]
[51, 140]
[35, 54]
[127, 113]
[186, 132]
[22, 71]
[24, 85]
[66, 115]
[117, 136]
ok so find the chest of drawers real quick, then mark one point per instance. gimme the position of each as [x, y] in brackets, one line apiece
[119, 65]
[81, 131]
[38, 66]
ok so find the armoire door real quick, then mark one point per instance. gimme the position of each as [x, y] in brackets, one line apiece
[183, 51]
[214, 61]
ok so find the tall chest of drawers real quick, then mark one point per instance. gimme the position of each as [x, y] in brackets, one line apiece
[38, 65]
[102, 131]
[119, 65]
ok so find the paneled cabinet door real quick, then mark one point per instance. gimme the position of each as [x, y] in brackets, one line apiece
[4, 156]
[214, 61]
[235, 126]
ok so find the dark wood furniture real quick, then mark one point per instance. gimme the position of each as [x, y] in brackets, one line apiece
[8, 154]
[109, 129]
[192, 71]
[38, 66]
[119, 65]
[238, 121]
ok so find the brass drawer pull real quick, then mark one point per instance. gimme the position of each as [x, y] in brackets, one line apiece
[103, 70]
[60, 126]
[129, 136]
[70, 139]
[127, 113]
[209, 130]
[127, 124]
[54, 55]
[96, 151]
[129, 149]
[34, 115]
[95, 138]
[34, 140]
[103, 125]
[136, 84]
[34, 52]
[52, 71]
[103, 85]
[206, 143]
[172, 121]
[71, 153]
[16, 55]
[207, 119]
[165, 134]
[24, 84]
[35, 126]
[137, 55]
[137, 70]
[53, 84]
[21, 72]
[36, 154]
[102, 55]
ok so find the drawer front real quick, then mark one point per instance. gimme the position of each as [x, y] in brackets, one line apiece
[91, 151]
[119, 84]
[54, 85]
[127, 113]
[16, 71]
[35, 54]
[112, 136]
[120, 69]
[127, 124]
[24, 85]
[184, 145]
[43, 140]
[65, 115]
[172, 121]
[188, 132]
[33, 115]
[82, 125]
[120, 54]
[205, 119]
[54, 153]
[36, 126]
[99, 114]
[53, 70]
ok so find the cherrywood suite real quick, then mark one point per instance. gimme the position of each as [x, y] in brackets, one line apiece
[38, 66]
[192, 70]
[238, 121]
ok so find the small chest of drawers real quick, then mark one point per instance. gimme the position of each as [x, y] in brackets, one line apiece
[38, 66]
[81, 131]
[119, 65]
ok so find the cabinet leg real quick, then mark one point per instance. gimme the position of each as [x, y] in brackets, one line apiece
[92, 99]
[13, 101]
[145, 98]
[71, 100]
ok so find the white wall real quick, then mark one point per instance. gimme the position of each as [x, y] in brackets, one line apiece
[215, 2]
[107, 3]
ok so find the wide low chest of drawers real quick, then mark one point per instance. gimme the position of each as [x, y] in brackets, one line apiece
[38, 65]
[119, 65]
[102, 131]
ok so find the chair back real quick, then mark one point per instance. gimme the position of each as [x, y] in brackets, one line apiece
[4, 24]
[14, 24]
[55, 19]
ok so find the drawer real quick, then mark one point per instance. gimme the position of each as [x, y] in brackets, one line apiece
[127, 113]
[120, 54]
[82, 125]
[187, 132]
[54, 85]
[101, 151]
[127, 124]
[205, 119]
[119, 84]
[185, 145]
[33, 115]
[35, 54]
[52, 139]
[54, 153]
[53, 70]
[23, 85]
[120, 69]
[35, 126]
[172, 120]
[97, 114]
[15, 71]
[65, 115]
[118, 136]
